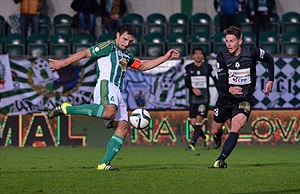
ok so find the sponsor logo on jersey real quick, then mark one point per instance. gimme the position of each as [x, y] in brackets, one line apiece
[239, 77]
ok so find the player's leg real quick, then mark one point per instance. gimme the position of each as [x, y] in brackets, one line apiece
[192, 116]
[237, 123]
[114, 145]
[193, 142]
[217, 132]
[95, 110]
[120, 126]
[103, 95]
[221, 115]
[240, 115]
[201, 118]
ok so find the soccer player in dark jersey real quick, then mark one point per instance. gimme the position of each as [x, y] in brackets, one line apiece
[197, 81]
[113, 58]
[236, 80]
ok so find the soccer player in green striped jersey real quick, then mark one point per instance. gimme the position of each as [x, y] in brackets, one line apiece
[113, 57]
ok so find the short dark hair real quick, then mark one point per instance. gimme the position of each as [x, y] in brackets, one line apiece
[197, 49]
[200, 49]
[127, 28]
[233, 30]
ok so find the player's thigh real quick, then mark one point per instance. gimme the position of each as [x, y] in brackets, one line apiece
[221, 114]
[240, 115]
[238, 122]
[106, 93]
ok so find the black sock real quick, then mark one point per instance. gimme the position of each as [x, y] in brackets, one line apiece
[198, 132]
[219, 134]
[229, 145]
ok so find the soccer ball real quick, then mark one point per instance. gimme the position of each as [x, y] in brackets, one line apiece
[140, 118]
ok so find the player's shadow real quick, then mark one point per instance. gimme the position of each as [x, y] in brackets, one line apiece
[158, 167]
[279, 191]
[266, 164]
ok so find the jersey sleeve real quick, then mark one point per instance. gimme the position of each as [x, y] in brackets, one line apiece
[101, 49]
[187, 78]
[213, 75]
[261, 55]
[222, 85]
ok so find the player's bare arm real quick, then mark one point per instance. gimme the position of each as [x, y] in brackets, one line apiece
[150, 64]
[57, 64]
[269, 86]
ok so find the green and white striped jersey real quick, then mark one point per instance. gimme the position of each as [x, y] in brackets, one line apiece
[112, 62]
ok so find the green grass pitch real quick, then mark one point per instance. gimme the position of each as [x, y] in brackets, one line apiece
[153, 170]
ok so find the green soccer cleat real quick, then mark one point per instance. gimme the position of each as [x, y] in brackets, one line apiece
[190, 148]
[219, 164]
[106, 166]
[59, 110]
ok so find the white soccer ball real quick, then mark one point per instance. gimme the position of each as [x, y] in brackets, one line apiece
[140, 118]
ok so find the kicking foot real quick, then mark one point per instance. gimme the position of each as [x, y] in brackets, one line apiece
[59, 110]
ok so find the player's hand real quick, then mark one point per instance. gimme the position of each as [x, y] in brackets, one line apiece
[197, 92]
[55, 64]
[269, 86]
[172, 54]
[235, 90]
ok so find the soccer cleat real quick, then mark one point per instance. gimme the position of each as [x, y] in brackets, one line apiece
[217, 142]
[190, 148]
[219, 164]
[224, 128]
[106, 166]
[206, 146]
[59, 110]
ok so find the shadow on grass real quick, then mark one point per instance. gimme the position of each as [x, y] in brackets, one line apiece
[266, 164]
[279, 191]
[159, 167]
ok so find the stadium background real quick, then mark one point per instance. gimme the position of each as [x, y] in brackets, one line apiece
[146, 7]
[168, 127]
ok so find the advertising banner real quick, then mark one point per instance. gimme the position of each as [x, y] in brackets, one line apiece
[166, 128]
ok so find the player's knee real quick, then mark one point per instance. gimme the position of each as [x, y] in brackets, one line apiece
[109, 113]
[122, 130]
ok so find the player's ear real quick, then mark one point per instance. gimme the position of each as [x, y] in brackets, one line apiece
[240, 41]
[118, 35]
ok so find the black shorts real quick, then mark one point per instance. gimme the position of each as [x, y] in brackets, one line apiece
[198, 109]
[227, 108]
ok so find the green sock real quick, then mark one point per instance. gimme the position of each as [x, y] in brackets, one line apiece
[113, 147]
[95, 110]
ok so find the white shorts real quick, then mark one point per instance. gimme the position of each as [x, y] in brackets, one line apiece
[106, 93]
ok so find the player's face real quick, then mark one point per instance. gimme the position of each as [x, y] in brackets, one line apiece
[233, 44]
[124, 40]
[198, 56]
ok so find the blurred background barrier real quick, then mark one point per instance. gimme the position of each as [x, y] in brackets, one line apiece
[168, 128]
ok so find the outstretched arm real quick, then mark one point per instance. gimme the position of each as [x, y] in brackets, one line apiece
[57, 64]
[150, 64]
